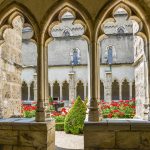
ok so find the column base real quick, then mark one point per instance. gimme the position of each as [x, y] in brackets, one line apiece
[40, 116]
[94, 113]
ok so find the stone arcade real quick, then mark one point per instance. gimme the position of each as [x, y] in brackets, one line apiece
[107, 40]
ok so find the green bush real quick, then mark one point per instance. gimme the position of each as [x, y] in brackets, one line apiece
[74, 121]
[59, 123]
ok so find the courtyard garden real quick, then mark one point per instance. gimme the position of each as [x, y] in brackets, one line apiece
[71, 119]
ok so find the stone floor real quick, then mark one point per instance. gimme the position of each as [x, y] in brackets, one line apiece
[65, 141]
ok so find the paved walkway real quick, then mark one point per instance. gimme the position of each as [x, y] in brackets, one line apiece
[65, 141]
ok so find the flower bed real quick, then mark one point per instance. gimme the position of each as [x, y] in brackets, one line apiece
[28, 111]
[119, 109]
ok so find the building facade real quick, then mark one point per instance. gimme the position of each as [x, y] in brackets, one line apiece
[68, 60]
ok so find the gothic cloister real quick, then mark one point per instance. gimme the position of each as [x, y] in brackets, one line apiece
[64, 48]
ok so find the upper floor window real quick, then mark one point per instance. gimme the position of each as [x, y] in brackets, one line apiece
[75, 56]
[110, 55]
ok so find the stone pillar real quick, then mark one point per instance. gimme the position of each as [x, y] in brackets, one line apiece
[85, 90]
[46, 76]
[120, 90]
[29, 92]
[108, 87]
[35, 87]
[51, 90]
[130, 86]
[75, 91]
[40, 113]
[93, 67]
[60, 91]
[71, 86]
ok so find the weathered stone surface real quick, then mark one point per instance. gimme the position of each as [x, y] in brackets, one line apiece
[10, 58]
[51, 136]
[23, 148]
[140, 126]
[8, 137]
[145, 140]
[6, 147]
[26, 134]
[99, 139]
[33, 138]
[128, 139]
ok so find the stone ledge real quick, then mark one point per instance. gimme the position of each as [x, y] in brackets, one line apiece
[25, 124]
[27, 134]
[117, 134]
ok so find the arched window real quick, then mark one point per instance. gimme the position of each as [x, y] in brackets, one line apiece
[65, 91]
[75, 56]
[110, 55]
[87, 90]
[24, 93]
[56, 90]
[125, 90]
[133, 89]
[115, 90]
[101, 90]
[49, 89]
[32, 91]
[80, 90]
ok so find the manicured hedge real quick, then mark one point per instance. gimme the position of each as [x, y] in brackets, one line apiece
[74, 121]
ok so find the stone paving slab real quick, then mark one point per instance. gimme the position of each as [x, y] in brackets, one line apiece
[65, 141]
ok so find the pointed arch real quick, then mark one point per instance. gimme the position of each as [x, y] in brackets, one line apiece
[24, 91]
[80, 89]
[16, 7]
[125, 90]
[32, 91]
[56, 89]
[128, 5]
[115, 90]
[101, 90]
[65, 90]
[54, 11]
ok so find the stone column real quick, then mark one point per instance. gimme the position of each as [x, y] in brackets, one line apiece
[46, 75]
[35, 87]
[93, 61]
[71, 86]
[60, 91]
[40, 113]
[130, 87]
[28, 92]
[75, 91]
[108, 87]
[120, 90]
[51, 90]
[85, 90]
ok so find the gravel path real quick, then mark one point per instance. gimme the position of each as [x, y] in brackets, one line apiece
[65, 141]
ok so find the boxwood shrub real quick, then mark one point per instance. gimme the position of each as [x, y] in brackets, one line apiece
[74, 121]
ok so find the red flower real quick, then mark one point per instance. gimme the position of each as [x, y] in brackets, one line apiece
[110, 115]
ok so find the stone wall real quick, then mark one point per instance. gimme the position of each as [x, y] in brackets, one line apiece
[26, 134]
[10, 69]
[117, 134]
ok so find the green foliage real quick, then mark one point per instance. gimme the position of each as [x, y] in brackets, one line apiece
[50, 108]
[74, 121]
[59, 123]
[50, 99]
[29, 114]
